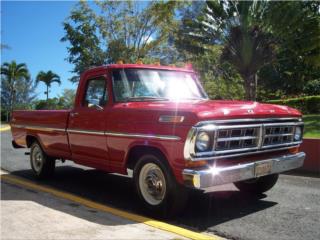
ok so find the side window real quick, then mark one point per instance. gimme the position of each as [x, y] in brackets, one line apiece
[96, 93]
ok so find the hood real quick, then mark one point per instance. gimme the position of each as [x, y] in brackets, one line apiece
[242, 109]
[202, 110]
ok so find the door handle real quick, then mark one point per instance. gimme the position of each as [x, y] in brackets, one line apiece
[73, 114]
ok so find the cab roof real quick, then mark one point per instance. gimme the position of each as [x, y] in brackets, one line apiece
[140, 66]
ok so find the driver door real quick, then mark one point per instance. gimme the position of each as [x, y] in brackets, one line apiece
[87, 124]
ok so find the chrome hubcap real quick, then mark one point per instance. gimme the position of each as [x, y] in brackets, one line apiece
[152, 184]
[37, 159]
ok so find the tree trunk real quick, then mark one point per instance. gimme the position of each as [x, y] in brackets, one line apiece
[47, 93]
[250, 87]
[12, 99]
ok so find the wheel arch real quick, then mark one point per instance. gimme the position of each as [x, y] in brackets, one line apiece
[30, 139]
[137, 151]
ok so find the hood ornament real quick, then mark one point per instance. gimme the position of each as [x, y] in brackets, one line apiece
[250, 110]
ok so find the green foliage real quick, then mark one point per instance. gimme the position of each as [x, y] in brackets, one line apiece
[4, 115]
[48, 78]
[50, 104]
[17, 88]
[307, 105]
[311, 126]
[288, 78]
[232, 25]
[312, 87]
[296, 25]
[220, 80]
[81, 31]
[66, 101]
[118, 30]
[298, 56]
[275, 45]
[68, 98]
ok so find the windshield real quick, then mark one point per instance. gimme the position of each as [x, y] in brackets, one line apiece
[150, 84]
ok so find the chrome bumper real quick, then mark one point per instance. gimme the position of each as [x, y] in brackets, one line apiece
[205, 178]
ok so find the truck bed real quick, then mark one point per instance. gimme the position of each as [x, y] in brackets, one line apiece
[48, 125]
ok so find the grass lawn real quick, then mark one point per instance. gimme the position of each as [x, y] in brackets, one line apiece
[312, 126]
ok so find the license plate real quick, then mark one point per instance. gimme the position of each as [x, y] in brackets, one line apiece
[262, 169]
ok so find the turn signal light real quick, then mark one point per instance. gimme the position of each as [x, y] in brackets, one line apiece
[119, 62]
[171, 119]
[196, 163]
[294, 150]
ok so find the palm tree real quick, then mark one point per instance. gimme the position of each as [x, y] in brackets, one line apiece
[48, 78]
[248, 50]
[253, 33]
[247, 46]
[14, 72]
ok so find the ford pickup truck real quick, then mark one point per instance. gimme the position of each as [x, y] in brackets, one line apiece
[156, 125]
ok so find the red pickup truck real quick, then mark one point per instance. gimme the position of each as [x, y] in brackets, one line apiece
[157, 125]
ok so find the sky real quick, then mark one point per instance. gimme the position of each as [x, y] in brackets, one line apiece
[33, 30]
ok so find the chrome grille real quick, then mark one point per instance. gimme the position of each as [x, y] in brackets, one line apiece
[236, 138]
[277, 135]
[240, 138]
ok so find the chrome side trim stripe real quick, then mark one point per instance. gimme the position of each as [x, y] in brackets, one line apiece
[161, 137]
[85, 132]
[40, 128]
[114, 134]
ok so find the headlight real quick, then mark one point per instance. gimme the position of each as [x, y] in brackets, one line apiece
[298, 134]
[203, 141]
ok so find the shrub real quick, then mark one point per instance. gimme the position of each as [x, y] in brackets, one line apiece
[307, 105]
[312, 87]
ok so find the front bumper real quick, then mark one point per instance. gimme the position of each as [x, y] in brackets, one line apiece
[205, 178]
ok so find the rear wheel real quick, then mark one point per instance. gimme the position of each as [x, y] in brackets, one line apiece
[157, 187]
[258, 185]
[41, 164]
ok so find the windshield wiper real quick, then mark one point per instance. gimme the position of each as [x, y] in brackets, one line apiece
[146, 98]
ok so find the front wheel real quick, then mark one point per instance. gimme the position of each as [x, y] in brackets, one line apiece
[258, 185]
[157, 187]
[42, 165]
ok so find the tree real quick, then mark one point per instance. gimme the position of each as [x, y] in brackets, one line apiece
[50, 104]
[67, 98]
[123, 30]
[48, 78]
[234, 25]
[15, 80]
[81, 31]
[297, 34]
[282, 36]
[66, 101]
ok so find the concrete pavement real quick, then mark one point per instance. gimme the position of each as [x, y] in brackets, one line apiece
[29, 214]
[289, 211]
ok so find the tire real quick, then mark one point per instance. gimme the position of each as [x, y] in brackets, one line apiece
[258, 185]
[42, 165]
[157, 188]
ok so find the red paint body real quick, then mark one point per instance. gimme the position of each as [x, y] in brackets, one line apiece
[110, 153]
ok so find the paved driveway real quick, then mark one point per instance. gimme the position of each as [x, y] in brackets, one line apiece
[291, 210]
